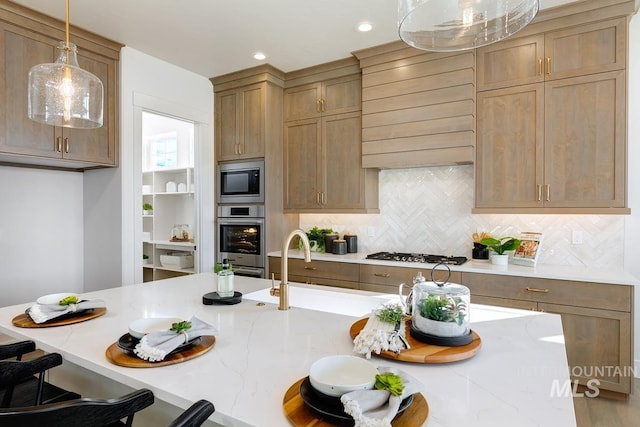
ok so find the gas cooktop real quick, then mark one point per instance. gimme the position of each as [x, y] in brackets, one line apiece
[410, 257]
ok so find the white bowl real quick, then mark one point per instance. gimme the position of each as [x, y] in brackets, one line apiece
[141, 327]
[337, 375]
[55, 298]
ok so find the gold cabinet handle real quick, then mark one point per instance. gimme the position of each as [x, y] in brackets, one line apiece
[58, 145]
[322, 104]
[239, 148]
[317, 198]
[311, 268]
[540, 67]
[66, 145]
[319, 105]
[548, 192]
[548, 66]
[382, 274]
[323, 198]
[539, 188]
[541, 291]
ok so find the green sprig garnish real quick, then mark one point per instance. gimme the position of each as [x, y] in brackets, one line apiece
[180, 326]
[71, 299]
[391, 313]
[390, 382]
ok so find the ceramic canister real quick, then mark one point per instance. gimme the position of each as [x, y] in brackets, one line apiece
[352, 243]
[339, 247]
[328, 242]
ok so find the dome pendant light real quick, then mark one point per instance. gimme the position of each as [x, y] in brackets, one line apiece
[451, 25]
[62, 93]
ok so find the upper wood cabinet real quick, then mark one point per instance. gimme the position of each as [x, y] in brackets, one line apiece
[556, 144]
[25, 141]
[575, 51]
[240, 122]
[323, 147]
[335, 96]
[322, 166]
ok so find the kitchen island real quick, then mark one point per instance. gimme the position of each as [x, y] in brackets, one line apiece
[515, 379]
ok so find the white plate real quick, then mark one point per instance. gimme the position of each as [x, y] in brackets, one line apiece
[141, 327]
[55, 298]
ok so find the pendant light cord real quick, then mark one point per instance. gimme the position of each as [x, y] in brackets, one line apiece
[66, 27]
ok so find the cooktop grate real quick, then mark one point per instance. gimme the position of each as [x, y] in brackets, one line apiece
[412, 257]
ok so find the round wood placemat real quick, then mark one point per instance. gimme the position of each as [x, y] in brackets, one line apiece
[121, 357]
[24, 321]
[422, 352]
[300, 415]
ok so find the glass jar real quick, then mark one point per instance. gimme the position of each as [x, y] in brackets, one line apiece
[180, 233]
[441, 309]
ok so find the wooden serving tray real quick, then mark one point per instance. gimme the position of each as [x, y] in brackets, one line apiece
[24, 321]
[121, 357]
[300, 415]
[424, 353]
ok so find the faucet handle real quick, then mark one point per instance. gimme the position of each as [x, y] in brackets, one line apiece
[274, 292]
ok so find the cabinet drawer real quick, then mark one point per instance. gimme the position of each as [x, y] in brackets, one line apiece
[386, 275]
[317, 269]
[502, 302]
[324, 269]
[580, 294]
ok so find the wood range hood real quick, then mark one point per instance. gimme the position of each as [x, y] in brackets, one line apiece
[418, 108]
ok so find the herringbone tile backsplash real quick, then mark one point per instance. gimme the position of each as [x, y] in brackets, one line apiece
[428, 210]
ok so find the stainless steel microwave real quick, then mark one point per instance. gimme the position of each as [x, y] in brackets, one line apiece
[241, 182]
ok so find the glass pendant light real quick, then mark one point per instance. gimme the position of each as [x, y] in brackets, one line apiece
[62, 93]
[451, 25]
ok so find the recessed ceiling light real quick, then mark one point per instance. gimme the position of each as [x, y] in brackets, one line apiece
[259, 56]
[365, 26]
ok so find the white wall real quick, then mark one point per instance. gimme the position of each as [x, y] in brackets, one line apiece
[149, 83]
[41, 237]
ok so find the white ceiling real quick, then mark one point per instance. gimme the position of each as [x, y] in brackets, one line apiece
[214, 37]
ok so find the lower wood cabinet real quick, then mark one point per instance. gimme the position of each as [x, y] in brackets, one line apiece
[596, 319]
[328, 273]
[386, 279]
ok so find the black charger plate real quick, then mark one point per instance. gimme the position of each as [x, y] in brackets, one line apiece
[441, 341]
[330, 407]
[214, 298]
[128, 342]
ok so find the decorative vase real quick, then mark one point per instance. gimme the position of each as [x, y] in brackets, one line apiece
[500, 259]
[480, 251]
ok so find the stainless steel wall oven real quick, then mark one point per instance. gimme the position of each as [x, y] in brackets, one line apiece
[241, 237]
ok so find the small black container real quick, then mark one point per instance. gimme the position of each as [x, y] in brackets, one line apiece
[480, 251]
[339, 247]
[352, 243]
[328, 242]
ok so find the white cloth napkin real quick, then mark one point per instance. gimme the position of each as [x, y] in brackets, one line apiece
[378, 335]
[155, 346]
[377, 408]
[41, 313]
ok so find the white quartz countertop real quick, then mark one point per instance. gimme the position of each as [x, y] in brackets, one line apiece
[541, 271]
[261, 351]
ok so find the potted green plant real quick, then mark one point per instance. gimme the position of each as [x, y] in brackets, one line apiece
[500, 246]
[145, 259]
[441, 315]
[316, 238]
[147, 209]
